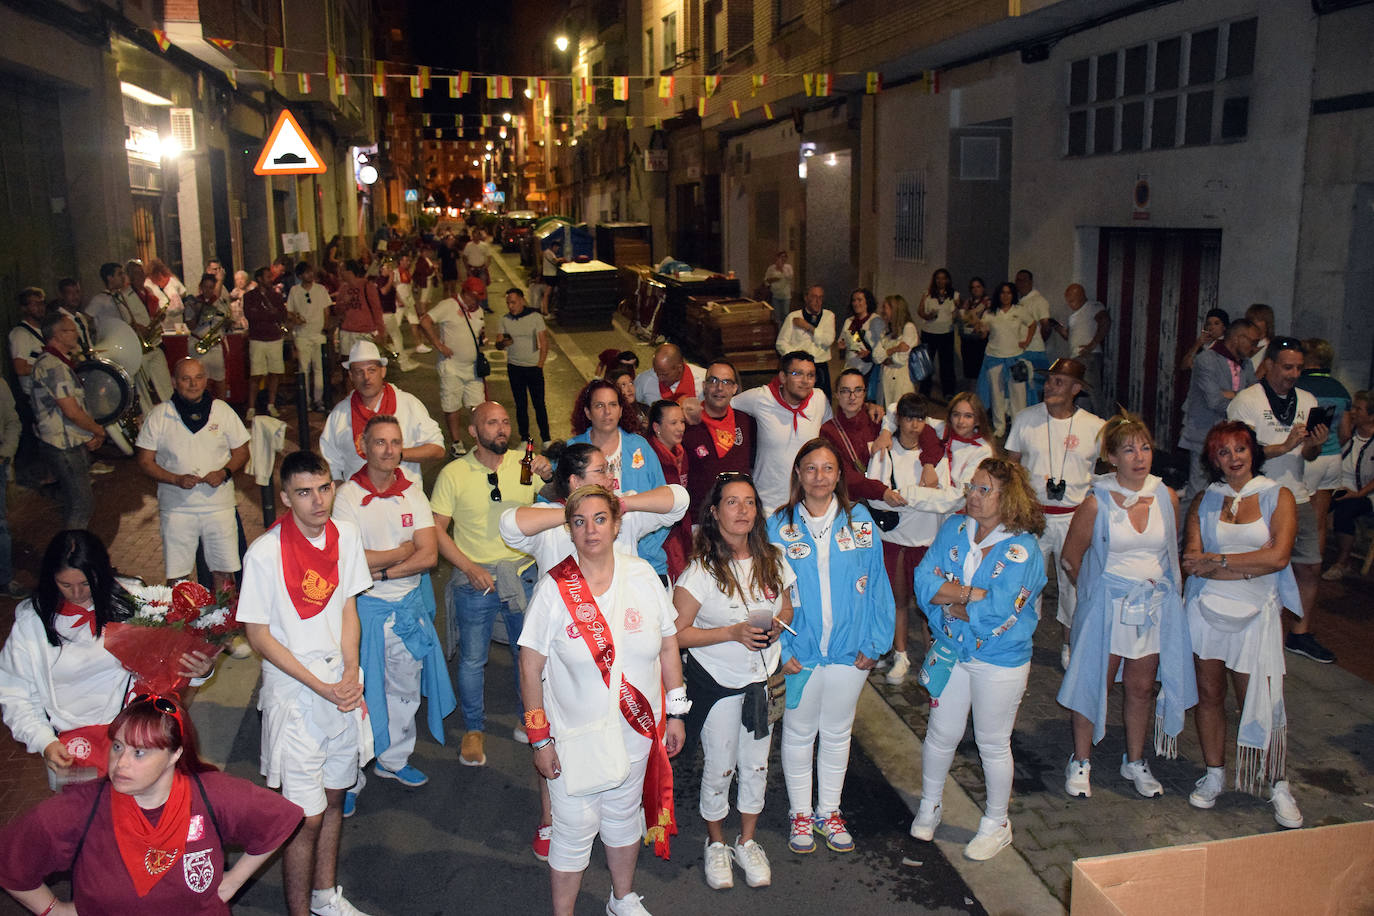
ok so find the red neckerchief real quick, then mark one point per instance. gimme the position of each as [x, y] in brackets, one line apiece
[398, 485]
[311, 574]
[677, 457]
[148, 851]
[686, 386]
[361, 414]
[952, 437]
[856, 324]
[80, 613]
[775, 389]
[48, 348]
[634, 706]
[722, 431]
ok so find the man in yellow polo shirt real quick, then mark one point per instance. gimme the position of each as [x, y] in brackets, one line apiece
[488, 577]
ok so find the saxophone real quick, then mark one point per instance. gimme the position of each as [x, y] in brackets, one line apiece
[151, 338]
[212, 337]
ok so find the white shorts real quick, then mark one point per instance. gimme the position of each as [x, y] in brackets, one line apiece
[311, 764]
[456, 392]
[182, 531]
[617, 814]
[1322, 473]
[264, 357]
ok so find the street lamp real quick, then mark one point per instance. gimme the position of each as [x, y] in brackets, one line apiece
[561, 42]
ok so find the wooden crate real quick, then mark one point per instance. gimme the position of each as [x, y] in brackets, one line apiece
[718, 325]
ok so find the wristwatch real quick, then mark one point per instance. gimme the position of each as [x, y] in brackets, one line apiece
[386, 574]
[1223, 560]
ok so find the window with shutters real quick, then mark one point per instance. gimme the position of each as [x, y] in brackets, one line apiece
[739, 24]
[909, 234]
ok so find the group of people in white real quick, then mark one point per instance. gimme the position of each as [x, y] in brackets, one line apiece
[744, 558]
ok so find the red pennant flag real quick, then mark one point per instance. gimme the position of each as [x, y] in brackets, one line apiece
[303, 83]
[416, 90]
[224, 44]
[665, 87]
[712, 84]
[873, 83]
[163, 42]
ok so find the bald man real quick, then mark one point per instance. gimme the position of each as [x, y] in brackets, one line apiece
[671, 378]
[488, 576]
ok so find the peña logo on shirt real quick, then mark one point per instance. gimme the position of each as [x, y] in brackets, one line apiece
[199, 870]
[315, 586]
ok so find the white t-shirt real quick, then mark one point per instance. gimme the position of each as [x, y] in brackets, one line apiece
[731, 664]
[448, 317]
[475, 254]
[1006, 330]
[636, 609]
[1083, 327]
[179, 451]
[25, 344]
[815, 341]
[336, 440]
[264, 599]
[550, 546]
[778, 442]
[1251, 405]
[1357, 462]
[646, 384]
[943, 322]
[310, 304]
[1057, 449]
[1038, 309]
[386, 524]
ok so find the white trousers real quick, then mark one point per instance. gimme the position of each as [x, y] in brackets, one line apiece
[617, 814]
[731, 749]
[999, 397]
[402, 702]
[392, 321]
[826, 710]
[1052, 547]
[310, 357]
[994, 694]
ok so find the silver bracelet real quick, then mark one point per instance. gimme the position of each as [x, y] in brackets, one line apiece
[541, 743]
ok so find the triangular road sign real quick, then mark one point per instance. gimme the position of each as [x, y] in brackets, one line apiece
[288, 151]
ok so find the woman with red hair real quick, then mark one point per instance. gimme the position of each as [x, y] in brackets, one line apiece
[151, 838]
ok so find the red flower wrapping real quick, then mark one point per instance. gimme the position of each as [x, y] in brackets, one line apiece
[153, 654]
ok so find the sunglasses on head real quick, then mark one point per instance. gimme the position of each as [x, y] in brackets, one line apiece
[495, 487]
[725, 477]
[160, 703]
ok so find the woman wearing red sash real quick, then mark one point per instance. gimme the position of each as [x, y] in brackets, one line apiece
[150, 839]
[598, 614]
[59, 687]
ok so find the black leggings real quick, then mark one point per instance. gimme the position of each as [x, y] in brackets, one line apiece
[529, 380]
[1344, 513]
[941, 350]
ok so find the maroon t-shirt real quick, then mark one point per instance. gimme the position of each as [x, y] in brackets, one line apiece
[265, 312]
[703, 462]
[43, 840]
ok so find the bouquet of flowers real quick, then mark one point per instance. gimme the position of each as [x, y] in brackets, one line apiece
[168, 623]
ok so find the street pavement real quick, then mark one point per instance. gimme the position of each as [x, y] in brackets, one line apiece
[460, 843]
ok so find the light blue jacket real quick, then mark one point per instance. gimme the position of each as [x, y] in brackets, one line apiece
[640, 479]
[1084, 688]
[863, 612]
[1012, 573]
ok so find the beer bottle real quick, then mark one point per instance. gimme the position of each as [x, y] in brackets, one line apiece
[527, 464]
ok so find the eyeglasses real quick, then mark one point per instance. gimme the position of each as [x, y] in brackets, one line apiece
[495, 487]
[981, 489]
[804, 376]
[727, 382]
[850, 392]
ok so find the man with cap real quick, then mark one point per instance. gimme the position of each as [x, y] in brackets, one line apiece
[1057, 444]
[341, 442]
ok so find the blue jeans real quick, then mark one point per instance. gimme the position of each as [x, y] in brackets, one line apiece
[476, 613]
[6, 563]
[72, 468]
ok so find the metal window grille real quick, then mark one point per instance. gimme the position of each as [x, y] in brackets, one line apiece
[909, 236]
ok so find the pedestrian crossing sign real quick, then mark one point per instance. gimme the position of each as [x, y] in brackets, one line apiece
[288, 151]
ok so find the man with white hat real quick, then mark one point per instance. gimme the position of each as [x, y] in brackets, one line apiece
[341, 440]
[1057, 444]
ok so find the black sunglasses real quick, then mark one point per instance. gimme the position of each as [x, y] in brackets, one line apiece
[495, 487]
[725, 477]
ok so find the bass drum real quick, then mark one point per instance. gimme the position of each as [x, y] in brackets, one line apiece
[120, 345]
[109, 393]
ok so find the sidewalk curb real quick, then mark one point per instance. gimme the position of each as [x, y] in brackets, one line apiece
[1005, 884]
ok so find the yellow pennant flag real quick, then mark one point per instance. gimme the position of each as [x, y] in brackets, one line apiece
[464, 81]
[331, 67]
[416, 90]
[712, 84]
[163, 42]
[873, 83]
[701, 106]
[808, 84]
[424, 78]
[379, 81]
[453, 91]
[303, 83]
[629, 122]
[620, 88]
[543, 88]
[486, 120]
[507, 87]
[341, 82]
[824, 83]
[734, 109]
[757, 82]
[224, 44]
[278, 62]
[665, 87]
[768, 111]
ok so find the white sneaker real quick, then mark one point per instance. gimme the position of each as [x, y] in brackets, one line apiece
[423, 348]
[1285, 809]
[1208, 789]
[992, 837]
[1077, 778]
[1064, 653]
[754, 861]
[1139, 773]
[272, 410]
[718, 874]
[1335, 573]
[630, 905]
[334, 905]
[900, 666]
[924, 824]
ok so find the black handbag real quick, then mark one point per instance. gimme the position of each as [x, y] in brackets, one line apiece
[481, 366]
[885, 519]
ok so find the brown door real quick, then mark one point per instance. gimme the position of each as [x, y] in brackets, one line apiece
[1155, 284]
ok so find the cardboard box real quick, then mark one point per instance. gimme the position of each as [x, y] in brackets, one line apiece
[1316, 871]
